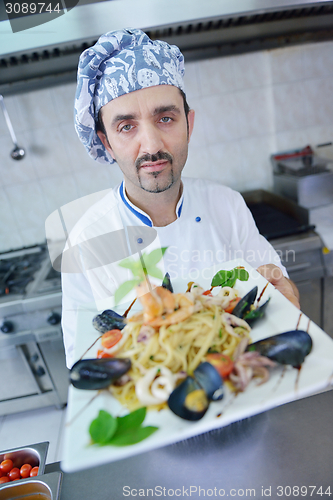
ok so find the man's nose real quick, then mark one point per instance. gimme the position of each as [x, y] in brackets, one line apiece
[150, 140]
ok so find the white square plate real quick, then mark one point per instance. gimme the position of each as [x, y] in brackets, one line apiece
[285, 384]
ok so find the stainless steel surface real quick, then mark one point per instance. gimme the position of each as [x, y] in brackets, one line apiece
[18, 153]
[34, 454]
[45, 487]
[309, 191]
[285, 447]
[213, 28]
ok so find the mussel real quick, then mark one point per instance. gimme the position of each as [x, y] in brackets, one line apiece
[289, 348]
[166, 283]
[244, 308]
[108, 320]
[95, 374]
[190, 399]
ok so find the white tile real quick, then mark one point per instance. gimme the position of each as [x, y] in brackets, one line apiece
[93, 180]
[191, 81]
[198, 163]
[318, 100]
[318, 60]
[48, 151]
[256, 164]
[28, 204]
[198, 138]
[255, 112]
[37, 110]
[251, 70]
[15, 171]
[287, 64]
[59, 190]
[290, 106]
[10, 241]
[31, 427]
[33, 235]
[226, 164]
[215, 76]
[221, 118]
[7, 219]
[76, 154]
[293, 139]
[63, 98]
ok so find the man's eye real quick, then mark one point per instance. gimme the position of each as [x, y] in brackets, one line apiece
[126, 128]
[166, 119]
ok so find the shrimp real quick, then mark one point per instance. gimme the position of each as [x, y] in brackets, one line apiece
[184, 307]
[155, 303]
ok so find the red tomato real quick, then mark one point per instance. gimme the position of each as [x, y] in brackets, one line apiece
[232, 304]
[34, 471]
[103, 354]
[208, 292]
[110, 338]
[25, 470]
[14, 474]
[6, 465]
[4, 479]
[221, 362]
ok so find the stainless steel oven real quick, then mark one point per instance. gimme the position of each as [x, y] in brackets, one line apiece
[32, 357]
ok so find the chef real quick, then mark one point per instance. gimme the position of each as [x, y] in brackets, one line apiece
[131, 110]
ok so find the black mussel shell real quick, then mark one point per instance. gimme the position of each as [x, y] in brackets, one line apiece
[244, 305]
[95, 374]
[166, 283]
[252, 316]
[108, 320]
[210, 380]
[289, 348]
[189, 400]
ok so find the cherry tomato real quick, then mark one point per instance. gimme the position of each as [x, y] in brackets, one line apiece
[208, 292]
[34, 472]
[221, 362]
[103, 354]
[6, 465]
[232, 304]
[110, 338]
[14, 474]
[4, 479]
[25, 470]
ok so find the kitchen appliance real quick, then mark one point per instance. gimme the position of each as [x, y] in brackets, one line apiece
[32, 356]
[286, 225]
[304, 177]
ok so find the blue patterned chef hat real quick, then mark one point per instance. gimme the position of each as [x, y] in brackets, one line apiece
[120, 62]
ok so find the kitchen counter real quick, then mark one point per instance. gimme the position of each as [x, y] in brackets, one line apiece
[287, 447]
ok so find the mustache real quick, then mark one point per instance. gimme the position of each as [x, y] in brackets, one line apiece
[152, 158]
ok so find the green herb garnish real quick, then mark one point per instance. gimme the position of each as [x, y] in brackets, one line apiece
[120, 431]
[228, 278]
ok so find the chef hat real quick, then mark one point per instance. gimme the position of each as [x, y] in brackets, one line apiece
[120, 62]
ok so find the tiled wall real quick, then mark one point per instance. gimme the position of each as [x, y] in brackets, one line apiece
[247, 107]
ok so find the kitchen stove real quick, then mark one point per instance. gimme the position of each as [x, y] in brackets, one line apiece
[32, 357]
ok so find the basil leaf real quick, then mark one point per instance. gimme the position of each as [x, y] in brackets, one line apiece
[155, 272]
[242, 274]
[220, 278]
[124, 289]
[103, 427]
[131, 421]
[155, 256]
[132, 436]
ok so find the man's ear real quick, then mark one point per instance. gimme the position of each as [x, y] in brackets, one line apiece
[190, 121]
[105, 143]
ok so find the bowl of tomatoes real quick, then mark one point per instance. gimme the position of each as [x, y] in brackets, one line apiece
[22, 463]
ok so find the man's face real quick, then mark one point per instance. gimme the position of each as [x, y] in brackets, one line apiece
[148, 136]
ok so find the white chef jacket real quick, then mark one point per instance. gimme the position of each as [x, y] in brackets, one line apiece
[213, 226]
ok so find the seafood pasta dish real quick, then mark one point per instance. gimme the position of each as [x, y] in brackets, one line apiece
[173, 334]
[181, 349]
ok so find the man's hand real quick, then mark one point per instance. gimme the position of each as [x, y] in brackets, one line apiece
[274, 275]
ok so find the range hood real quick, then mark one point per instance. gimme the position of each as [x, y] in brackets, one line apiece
[48, 54]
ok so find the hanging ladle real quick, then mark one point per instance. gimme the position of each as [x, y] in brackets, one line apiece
[18, 153]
